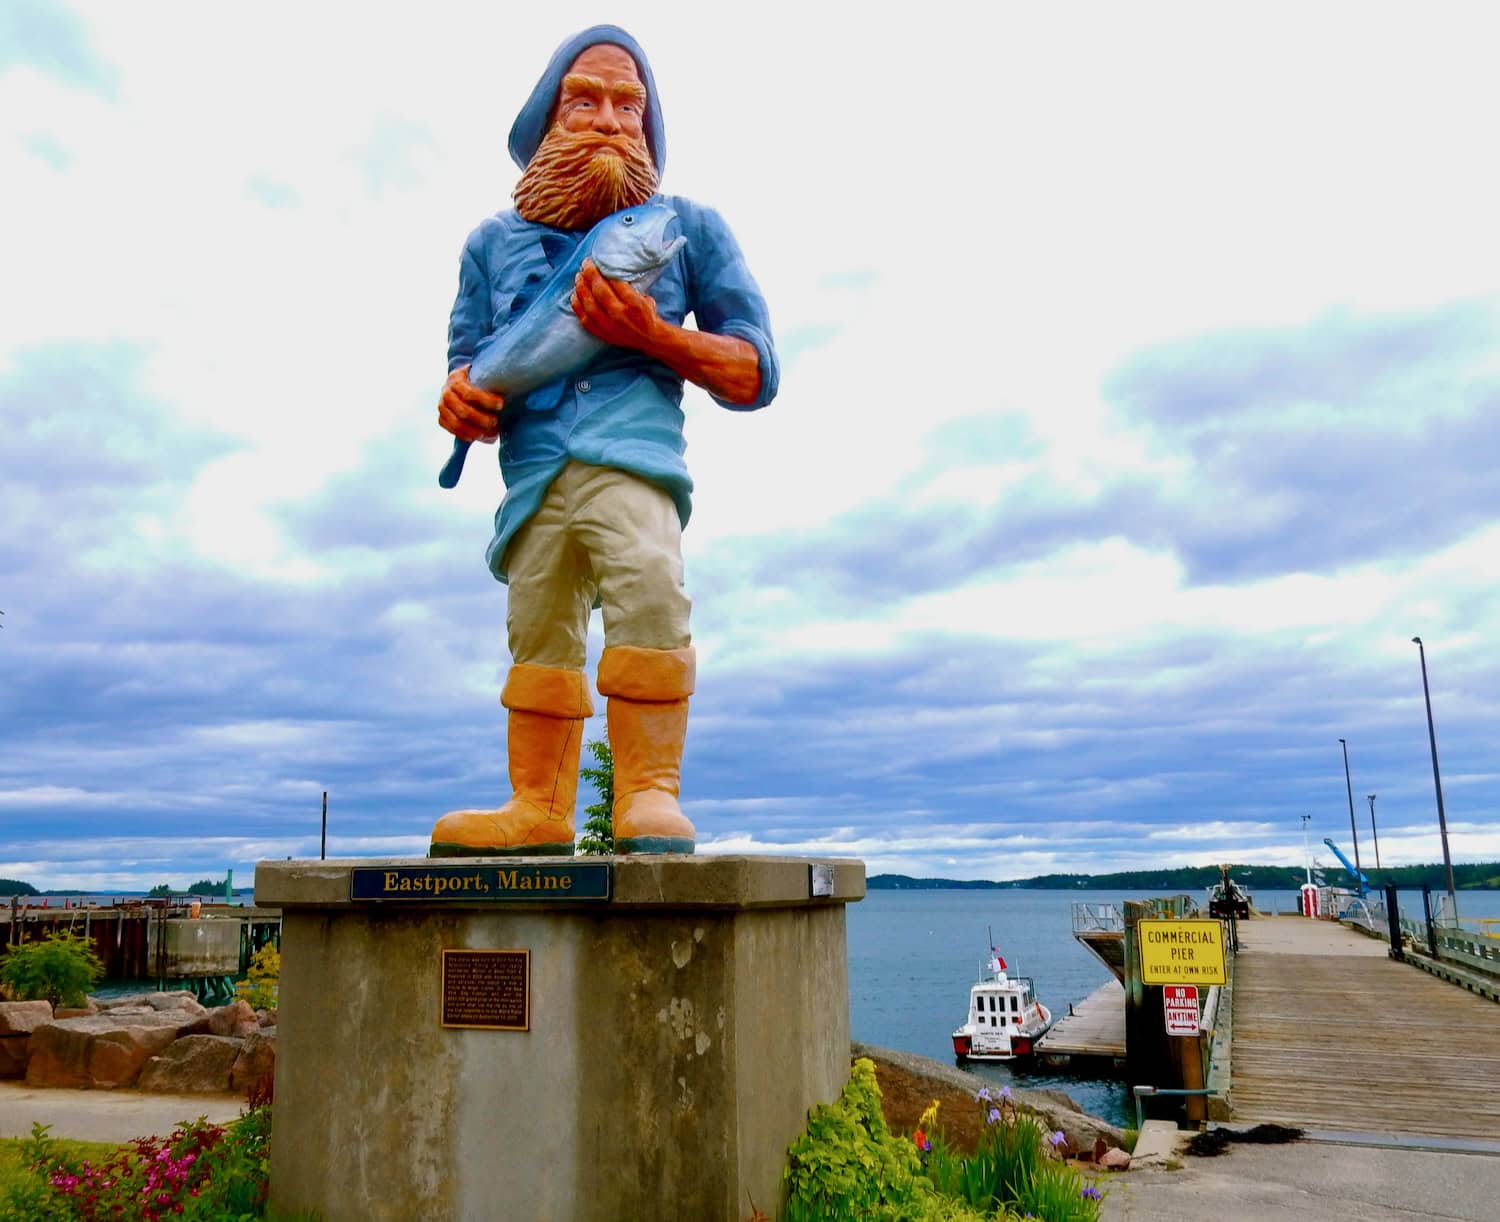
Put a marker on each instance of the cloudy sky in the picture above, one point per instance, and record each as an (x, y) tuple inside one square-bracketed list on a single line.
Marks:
[(1141, 401)]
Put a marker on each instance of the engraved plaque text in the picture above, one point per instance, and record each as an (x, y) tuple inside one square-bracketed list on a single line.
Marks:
[(490, 989)]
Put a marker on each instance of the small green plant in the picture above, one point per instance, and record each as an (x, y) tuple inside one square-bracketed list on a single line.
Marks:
[(1017, 1167), (598, 825), (1059, 1194), (848, 1164), (61, 968), (24, 1192), (262, 983)]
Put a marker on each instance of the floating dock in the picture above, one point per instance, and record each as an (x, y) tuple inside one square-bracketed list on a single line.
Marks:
[(1093, 1028)]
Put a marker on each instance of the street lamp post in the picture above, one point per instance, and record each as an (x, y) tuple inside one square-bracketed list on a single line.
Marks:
[(1353, 831), (1437, 780), (1373, 832)]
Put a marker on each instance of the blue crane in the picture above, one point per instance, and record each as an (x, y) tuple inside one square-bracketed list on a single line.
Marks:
[(1358, 875)]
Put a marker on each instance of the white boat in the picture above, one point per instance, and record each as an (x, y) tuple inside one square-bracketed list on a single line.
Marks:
[(1005, 1018)]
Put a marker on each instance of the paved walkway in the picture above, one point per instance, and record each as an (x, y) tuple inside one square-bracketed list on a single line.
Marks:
[(1331, 1183), (106, 1115)]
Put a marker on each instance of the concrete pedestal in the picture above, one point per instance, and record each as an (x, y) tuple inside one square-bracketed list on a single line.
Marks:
[(679, 1033)]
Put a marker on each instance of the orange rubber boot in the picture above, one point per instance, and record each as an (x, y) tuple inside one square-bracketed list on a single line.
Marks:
[(648, 711), (547, 707)]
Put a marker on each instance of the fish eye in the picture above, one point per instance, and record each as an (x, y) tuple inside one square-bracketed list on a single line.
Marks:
[(627, 219)]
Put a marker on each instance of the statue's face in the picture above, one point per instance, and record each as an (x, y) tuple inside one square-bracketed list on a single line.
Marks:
[(602, 92), (594, 159)]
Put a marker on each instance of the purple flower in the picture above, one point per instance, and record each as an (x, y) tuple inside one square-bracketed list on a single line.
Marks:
[(1059, 1138), (1005, 1092), (983, 1096), (1091, 1194), (994, 1116)]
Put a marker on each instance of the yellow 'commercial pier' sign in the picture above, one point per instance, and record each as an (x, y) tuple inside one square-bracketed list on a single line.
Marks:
[(1181, 952)]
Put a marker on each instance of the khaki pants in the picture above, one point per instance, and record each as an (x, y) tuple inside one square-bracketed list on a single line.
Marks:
[(605, 533)]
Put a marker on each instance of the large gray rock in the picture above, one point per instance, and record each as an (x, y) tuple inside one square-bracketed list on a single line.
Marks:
[(177, 999), (23, 1017), (257, 1060), (101, 1051), (193, 1065), (236, 1019)]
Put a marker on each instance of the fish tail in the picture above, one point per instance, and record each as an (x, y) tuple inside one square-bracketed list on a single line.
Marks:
[(454, 467)]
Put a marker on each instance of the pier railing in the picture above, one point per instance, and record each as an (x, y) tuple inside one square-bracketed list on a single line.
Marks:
[(1098, 918), (1471, 950), (1110, 918), (1440, 938)]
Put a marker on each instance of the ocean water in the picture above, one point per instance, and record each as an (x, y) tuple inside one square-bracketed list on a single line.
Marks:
[(914, 954)]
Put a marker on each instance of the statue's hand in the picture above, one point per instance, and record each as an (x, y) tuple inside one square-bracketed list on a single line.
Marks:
[(614, 311), (467, 412)]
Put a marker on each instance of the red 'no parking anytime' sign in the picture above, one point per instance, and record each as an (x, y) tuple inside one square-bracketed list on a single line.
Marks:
[(1181, 1004)]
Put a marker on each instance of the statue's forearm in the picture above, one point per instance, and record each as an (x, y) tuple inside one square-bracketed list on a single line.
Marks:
[(724, 365), (618, 313)]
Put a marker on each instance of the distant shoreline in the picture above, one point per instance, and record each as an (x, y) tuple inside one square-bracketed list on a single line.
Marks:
[(61, 892), (1481, 876)]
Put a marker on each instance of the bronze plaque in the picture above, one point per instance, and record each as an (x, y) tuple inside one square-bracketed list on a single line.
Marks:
[(490, 989)]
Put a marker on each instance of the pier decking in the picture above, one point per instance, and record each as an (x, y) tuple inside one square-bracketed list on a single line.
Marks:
[(1330, 1033), (1094, 1028)]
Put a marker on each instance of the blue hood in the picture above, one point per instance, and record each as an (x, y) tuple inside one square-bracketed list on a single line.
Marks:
[(531, 124)]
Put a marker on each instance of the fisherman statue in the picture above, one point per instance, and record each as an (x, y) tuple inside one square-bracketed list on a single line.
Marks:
[(566, 346)]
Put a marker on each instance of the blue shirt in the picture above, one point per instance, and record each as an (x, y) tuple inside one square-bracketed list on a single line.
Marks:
[(624, 409)]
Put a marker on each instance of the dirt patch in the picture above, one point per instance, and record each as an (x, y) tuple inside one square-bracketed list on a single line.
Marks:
[(904, 1096)]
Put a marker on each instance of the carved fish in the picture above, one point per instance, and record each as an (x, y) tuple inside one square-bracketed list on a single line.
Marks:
[(545, 342)]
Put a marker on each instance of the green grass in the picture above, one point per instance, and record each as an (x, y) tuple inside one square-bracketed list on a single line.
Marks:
[(13, 1170)]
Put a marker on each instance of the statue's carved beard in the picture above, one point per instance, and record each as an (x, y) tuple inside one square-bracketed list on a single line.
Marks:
[(576, 178)]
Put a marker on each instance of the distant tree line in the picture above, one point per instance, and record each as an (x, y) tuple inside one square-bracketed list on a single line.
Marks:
[(204, 886), (12, 886), (1473, 876)]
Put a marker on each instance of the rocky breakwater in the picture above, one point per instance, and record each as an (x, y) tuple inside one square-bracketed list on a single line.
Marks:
[(155, 1041), (18, 1019)]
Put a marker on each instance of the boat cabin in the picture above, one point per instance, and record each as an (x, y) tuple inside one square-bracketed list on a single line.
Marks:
[(1002, 1002)]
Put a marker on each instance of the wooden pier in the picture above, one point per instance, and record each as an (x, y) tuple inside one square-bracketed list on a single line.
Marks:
[(1094, 1027), (1331, 1033), (135, 940)]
